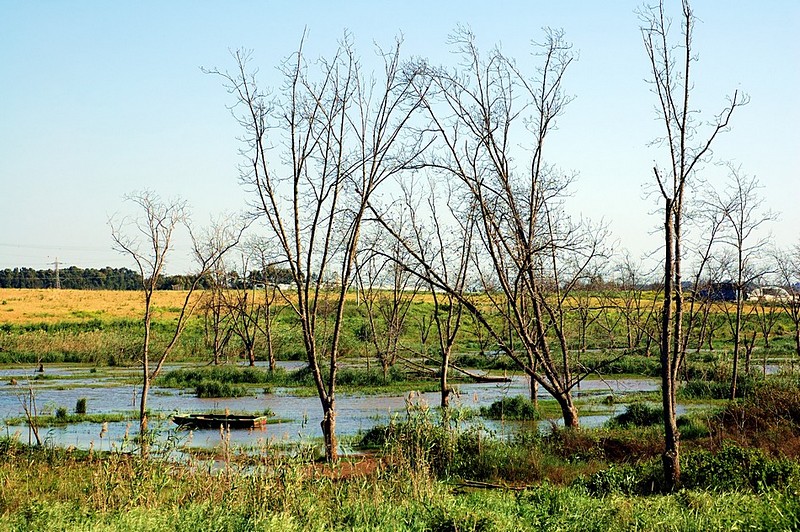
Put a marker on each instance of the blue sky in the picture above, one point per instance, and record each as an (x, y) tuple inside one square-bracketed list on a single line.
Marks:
[(99, 99)]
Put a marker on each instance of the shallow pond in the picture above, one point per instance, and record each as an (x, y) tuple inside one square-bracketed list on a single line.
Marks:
[(110, 391)]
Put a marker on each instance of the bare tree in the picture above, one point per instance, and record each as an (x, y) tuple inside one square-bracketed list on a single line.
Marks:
[(342, 135), (447, 250), (262, 252), (671, 68), (767, 315), (387, 292), (217, 326), (531, 255), (742, 209), (148, 239), (246, 310), (637, 306)]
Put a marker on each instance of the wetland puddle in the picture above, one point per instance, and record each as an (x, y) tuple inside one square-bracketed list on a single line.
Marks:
[(110, 391)]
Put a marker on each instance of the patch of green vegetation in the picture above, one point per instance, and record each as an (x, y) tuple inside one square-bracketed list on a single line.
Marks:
[(639, 414), (512, 408), (87, 314), (191, 377), (211, 389), (717, 389), (62, 417)]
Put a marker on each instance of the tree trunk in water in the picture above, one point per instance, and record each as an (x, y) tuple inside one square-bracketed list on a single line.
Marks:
[(329, 431), (144, 437), (534, 385), (270, 352), (568, 411), (251, 355), (443, 380)]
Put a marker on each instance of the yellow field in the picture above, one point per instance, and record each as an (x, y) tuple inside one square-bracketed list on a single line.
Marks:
[(21, 306)]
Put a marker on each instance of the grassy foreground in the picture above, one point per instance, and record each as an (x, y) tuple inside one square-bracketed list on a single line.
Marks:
[(49, 489)]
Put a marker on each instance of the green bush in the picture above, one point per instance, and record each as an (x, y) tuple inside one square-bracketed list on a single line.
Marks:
[(517, 408), (373, 377), (485, 361), (624, 479), (61, 413), (731, 469), (626, 365), (639, 415), (80, 406)]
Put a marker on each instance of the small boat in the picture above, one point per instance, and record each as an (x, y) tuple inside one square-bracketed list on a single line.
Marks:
[(214, 421)]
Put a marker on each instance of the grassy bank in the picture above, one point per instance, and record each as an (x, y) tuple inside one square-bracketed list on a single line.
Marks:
[(56, 490)]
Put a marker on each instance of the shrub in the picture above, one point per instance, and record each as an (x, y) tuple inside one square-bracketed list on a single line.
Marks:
[(625, 479), (639, 415), (80, 406), (485, 361), (61, 413), (517, 408)]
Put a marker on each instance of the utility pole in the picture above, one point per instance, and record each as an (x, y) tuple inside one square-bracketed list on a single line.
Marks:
[(58, 278)]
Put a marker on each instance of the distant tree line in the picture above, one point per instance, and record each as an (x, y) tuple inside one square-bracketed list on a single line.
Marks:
[(72, 278), (108, 278)]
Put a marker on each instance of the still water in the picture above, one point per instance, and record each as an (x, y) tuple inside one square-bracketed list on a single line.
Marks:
[(115, 391)]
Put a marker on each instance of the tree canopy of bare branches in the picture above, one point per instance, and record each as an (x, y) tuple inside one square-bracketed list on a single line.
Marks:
[(489, 122), (147, 238), (315, 155)]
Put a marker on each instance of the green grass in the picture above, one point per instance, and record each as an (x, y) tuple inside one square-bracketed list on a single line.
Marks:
[(62, 418), (48, 489)]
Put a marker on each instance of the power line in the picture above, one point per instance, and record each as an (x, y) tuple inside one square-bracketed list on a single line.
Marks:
[(58, 279)]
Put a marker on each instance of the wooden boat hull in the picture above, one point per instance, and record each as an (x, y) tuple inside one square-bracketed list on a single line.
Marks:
[(214, 421)]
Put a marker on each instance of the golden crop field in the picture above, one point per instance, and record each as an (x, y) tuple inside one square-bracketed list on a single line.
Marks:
[(21, 306)]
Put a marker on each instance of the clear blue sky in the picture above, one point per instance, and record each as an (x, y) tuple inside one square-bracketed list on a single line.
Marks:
[(102, 98)]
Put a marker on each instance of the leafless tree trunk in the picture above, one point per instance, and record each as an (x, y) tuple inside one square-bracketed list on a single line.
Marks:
[(342, 136), (147, 239), (671, 66), (767, 314)]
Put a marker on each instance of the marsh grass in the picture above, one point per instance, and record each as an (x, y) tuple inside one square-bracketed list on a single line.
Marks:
[(62, 417), (51, 489)]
